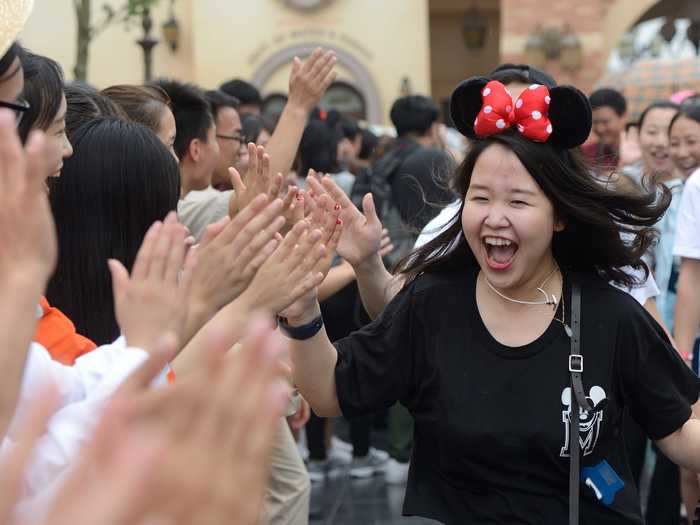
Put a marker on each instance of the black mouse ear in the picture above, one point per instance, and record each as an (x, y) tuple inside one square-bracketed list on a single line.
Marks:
[(465, 104), (571, 117)]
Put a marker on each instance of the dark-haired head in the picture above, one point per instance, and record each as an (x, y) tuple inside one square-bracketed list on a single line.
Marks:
[(585, 218), (684, 136), (246, 93), (318, 149), (119, 181), (609, 115), (86, 103), (228, 135), (350, 141), (43, 90), (414, 115), (369, 144), (256, 128), (528, 200), (148, 105), (193, 117), (654, 125)]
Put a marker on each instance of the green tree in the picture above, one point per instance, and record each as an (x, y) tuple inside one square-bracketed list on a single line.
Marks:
[(124, 13)]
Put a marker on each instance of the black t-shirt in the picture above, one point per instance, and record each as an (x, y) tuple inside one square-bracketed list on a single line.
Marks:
[(420, 189), (491, 422)]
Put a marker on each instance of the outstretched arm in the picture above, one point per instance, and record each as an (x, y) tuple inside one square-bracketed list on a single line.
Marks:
[(308, 82)]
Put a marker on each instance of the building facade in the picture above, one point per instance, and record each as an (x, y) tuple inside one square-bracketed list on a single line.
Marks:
[(385, 48)]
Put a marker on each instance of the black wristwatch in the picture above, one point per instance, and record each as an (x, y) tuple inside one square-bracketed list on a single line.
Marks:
[(303, 332)]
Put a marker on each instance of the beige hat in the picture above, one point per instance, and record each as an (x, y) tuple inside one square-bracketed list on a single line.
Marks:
[(13, 16)]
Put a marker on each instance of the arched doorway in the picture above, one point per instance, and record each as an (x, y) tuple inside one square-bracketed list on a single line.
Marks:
[(362, 82)]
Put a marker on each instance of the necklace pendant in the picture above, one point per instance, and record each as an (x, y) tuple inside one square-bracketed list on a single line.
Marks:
[(568, 331)]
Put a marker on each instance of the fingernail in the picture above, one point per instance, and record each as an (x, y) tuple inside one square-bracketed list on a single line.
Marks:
[(338, 221), (337, 207), (300, 197)]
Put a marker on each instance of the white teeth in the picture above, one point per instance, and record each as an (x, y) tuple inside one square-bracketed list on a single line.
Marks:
[(497, 241)]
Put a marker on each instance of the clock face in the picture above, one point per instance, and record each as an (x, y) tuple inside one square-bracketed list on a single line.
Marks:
[(306, 5)]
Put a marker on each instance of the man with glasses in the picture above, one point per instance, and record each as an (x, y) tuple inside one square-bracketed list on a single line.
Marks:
[(224, 108)]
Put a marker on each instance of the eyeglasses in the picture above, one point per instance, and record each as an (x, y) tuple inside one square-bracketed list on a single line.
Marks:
[(237, 138), (20, 108)]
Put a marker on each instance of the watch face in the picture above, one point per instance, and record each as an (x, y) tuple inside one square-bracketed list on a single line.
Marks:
[(306, 5)]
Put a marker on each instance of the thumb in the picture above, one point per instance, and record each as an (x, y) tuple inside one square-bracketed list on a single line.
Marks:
[(369, 209), (236, 180), (120, 280)]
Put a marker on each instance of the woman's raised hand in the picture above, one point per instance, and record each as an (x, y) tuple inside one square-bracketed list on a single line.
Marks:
[(229, 255), (361, 236), (290, 272)]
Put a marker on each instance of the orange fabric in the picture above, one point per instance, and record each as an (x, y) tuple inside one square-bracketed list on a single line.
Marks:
[(57, 334)]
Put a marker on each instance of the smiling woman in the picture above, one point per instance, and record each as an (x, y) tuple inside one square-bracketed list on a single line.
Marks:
[(476, 344), (43, 90)]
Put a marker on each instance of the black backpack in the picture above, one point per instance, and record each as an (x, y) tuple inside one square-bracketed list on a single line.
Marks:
[(378, 180)]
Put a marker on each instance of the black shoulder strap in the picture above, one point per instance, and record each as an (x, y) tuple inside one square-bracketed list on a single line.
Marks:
[(578, 399)]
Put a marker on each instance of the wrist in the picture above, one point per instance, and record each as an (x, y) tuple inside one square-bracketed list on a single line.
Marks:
[(297, 108), (305, 317), (24, 280), (368, 265)]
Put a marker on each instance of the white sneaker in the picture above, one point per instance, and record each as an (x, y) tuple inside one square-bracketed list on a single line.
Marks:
[(395, 473), (373, 463), (320, 470), (340, 450)]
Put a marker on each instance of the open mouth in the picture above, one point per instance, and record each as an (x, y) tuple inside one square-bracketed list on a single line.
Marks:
[(500, 252)]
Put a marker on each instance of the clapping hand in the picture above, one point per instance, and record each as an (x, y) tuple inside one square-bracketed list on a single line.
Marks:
[(362, 233), (154, 298)]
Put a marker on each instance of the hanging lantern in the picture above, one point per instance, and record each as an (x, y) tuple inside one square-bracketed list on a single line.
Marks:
[(535, 53), (571, 54), (474, 29), (627, 47)]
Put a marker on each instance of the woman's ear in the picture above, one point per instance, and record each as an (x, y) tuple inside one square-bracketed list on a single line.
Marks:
[(559, 223)]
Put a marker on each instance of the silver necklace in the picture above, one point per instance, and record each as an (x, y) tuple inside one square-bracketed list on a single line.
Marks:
[(550, 300)]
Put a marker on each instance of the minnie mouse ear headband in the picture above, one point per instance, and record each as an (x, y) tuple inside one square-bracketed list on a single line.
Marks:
[(13, 16), (560, 116)]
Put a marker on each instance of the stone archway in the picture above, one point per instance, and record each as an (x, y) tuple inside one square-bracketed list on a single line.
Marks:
[(621, 15), (360, 75)]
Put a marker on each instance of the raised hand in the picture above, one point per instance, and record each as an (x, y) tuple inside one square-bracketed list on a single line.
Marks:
[(28, 246), (257, 180), (361, 237), (230, 254), (310, 79), (289, 273), (154, 299)]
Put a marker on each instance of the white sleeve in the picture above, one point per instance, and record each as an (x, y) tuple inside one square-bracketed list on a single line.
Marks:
[(687, 241), (643, 291), (198, 213), (72, 425)]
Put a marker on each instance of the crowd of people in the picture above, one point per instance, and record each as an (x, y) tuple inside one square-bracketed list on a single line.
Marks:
[(193, 291)]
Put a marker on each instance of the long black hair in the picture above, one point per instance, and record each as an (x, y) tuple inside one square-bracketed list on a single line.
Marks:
[(120, 179), (43, 89), (596, 215)]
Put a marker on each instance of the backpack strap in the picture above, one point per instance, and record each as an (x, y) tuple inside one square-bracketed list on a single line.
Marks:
[(578, 400)]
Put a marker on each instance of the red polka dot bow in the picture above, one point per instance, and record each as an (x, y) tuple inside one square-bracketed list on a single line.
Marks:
[(530, 113)]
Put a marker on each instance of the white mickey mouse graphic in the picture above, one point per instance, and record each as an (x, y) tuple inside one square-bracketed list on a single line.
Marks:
[(589, 422)]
